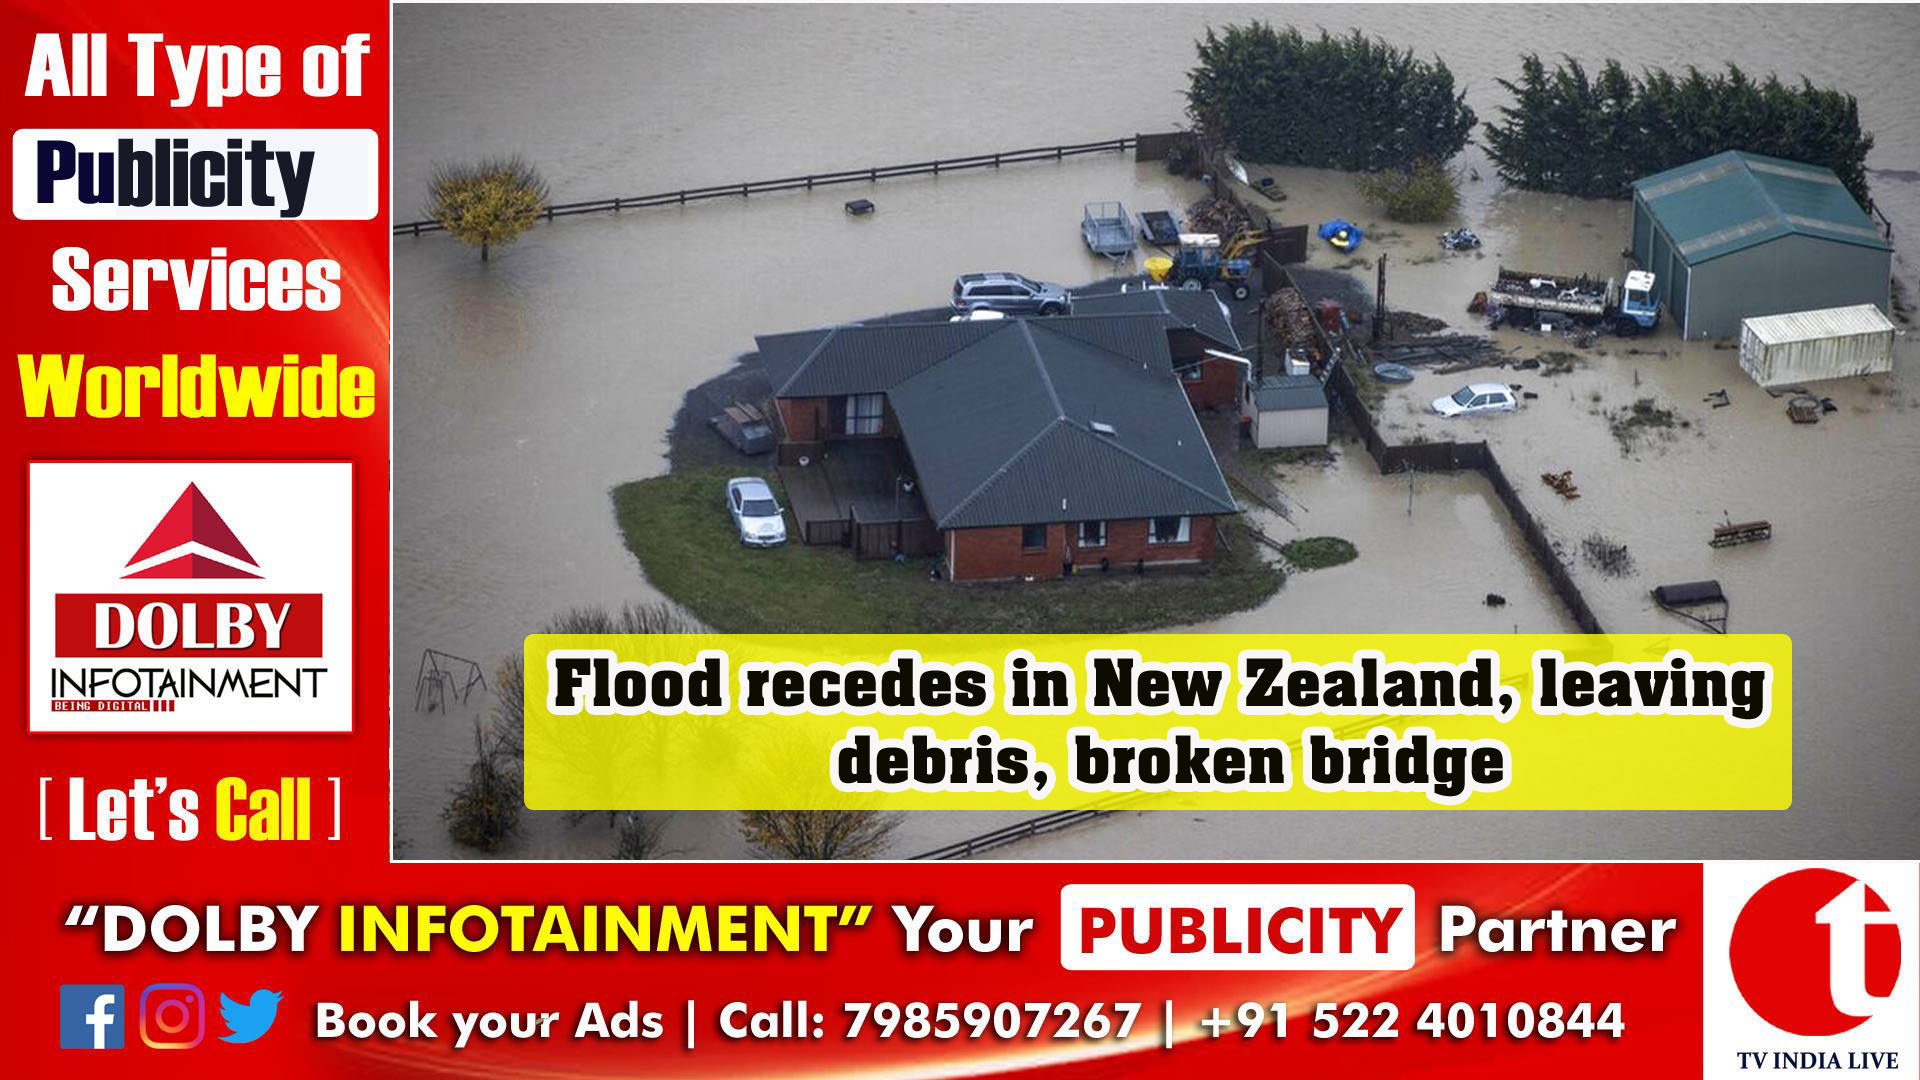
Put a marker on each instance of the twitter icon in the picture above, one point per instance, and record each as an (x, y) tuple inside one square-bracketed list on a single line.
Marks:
[(248, 1022)]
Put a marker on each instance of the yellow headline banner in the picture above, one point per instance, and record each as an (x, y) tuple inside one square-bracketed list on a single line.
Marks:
[(1228, 721)]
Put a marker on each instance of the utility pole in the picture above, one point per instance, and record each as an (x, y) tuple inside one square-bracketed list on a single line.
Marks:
[(1379, 297)]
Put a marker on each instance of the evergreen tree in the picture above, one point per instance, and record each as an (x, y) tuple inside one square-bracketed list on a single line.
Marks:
[(1565, 132), (1355, 102)]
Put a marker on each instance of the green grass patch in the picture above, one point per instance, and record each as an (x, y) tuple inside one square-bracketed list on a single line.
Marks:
[(1368, 386), (678, 527), (1645, 418), (1319, 552)]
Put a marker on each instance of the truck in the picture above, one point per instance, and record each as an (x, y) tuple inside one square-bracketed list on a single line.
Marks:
[(1520, 297)]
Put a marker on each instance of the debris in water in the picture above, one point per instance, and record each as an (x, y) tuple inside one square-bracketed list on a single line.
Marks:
[(1606, 556), (1561, 482), (1729, 533), (1494, 599), (1686, 595), (1718, 399)]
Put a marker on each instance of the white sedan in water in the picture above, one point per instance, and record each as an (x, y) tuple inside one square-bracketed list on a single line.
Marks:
[(756, 513), (1477, 398)]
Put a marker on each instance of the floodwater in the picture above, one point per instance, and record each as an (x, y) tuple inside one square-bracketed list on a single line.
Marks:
[(528, 386)]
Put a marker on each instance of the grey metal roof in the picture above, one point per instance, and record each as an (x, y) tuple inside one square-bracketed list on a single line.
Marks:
[(1732, 201), (1278, 393), (1198, 310), (1818, 325), (860, 359), (1004, 433)]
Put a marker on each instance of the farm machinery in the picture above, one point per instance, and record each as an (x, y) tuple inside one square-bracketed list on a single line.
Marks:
[(1203, 260)]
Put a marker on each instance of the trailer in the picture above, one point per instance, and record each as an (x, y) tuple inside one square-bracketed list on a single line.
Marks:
[(1107, 229), (1703, 603), (1522, 297), (1159, 227), (1731, 533)]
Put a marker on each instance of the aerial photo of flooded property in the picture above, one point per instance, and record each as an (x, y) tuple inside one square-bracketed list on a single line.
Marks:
[(1209, 318)]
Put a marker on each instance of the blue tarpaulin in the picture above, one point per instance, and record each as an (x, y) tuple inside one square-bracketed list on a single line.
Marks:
[(1341, 233)]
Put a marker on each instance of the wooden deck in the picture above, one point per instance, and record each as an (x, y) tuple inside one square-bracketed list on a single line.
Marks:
[(854, 495)]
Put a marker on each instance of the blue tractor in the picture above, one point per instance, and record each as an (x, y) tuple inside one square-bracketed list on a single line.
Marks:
[(1202, 261)]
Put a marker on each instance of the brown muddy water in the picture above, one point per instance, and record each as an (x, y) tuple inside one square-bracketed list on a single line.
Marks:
[(529, 386)]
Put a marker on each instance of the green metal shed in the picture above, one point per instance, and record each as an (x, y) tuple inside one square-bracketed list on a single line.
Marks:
[(1739, 234)]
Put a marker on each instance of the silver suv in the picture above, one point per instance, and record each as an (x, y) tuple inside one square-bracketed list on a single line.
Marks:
[(1004, 290)]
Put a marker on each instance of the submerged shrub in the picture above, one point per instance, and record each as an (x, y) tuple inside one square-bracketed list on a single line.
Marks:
[(488, 203), (1425, 192)]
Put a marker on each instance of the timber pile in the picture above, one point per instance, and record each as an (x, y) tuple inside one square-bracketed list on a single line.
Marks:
[(1222, 216), (1291, 323), (1562, 483)]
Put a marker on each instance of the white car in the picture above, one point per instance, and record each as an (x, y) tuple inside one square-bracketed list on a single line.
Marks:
[(1477, 398), (756, 513)]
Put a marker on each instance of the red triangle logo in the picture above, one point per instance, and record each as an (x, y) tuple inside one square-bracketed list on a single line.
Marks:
[(192, 520)]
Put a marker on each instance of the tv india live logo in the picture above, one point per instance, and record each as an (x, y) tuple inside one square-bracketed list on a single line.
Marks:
[(1812, 969), (1816, 952), (190, 596)]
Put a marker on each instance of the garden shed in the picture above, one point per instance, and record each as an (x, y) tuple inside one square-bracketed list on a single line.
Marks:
[(1288, 410), (1738, 234)]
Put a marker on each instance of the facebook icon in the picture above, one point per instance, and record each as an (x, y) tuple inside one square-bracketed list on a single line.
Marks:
[(93, 1017)]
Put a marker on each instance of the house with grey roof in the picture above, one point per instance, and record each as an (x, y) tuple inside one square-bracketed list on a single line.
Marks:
[(1740, 234), (1200, 335), (1033, 447)]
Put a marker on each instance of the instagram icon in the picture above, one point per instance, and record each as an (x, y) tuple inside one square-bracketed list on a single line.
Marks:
[(173, 1016)]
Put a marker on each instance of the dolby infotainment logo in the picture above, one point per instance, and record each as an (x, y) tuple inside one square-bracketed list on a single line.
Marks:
[(172, 596)]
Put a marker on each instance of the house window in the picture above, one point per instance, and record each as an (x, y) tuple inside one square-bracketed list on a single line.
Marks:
[(1093, 534), (1191, 374), (1033, 536), (865, 413), (1168, 530)]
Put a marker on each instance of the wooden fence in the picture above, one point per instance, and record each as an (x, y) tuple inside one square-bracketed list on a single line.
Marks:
[(810, 181), (1450, 457)]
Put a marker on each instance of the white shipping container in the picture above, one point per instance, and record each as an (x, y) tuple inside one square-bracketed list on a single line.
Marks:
[(1807, 346)]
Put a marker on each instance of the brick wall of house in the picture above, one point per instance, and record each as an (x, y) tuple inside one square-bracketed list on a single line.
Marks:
[(1217, 387), (804, 419), (996, 553)]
